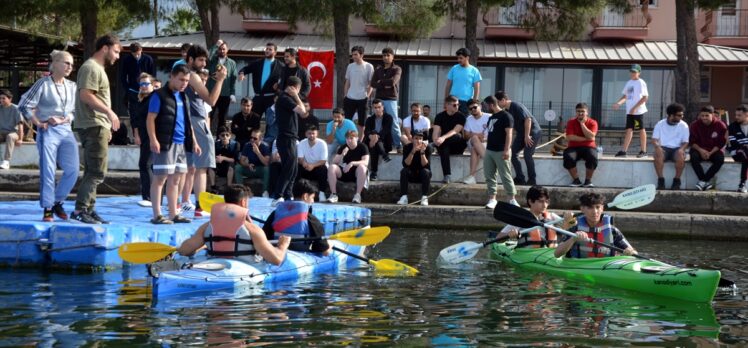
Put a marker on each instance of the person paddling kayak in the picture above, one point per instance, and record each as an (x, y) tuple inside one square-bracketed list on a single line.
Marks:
[(593, 225), (230, 233), (538, 200)]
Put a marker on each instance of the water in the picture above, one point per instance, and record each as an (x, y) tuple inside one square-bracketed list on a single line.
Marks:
[(481, 303)]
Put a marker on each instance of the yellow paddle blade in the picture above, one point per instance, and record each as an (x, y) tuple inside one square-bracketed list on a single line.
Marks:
[(207, 200), (393, 267), (362, 236), (144, 252)]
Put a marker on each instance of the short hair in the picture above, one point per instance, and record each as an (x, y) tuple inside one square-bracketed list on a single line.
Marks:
[(351, 133), (106, 40), (136, 47), (376, 101), (674, 108), (491, 100), (535, 193), (742, 107), (416, 104), (144, 75), (180, 69), (58, 55), (293, 81), (196, 51), (224, 129), (312, 127), (304, 186), (582, 105), (359, 49), (224, 43), (589, 199), (292, 51), (235, 193), (185, 47), (246, 100), (707, 108), (426, 106), (451, 98), (338, 111), (256, 131), (388, 50), (463, 52), (473, 101), (6, 93), (275, 47), (155, 80), (501, 95)]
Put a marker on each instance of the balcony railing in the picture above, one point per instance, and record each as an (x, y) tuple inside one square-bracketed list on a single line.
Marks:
[(614, 25), (506, 22), (727, 22), (261, 23)]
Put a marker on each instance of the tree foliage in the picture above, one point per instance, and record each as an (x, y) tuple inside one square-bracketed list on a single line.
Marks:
[(183, 20)]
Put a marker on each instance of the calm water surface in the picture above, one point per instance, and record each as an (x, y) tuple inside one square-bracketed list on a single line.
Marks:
[(478, 303)]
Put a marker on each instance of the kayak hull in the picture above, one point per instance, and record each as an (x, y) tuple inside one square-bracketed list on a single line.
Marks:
[(625, 272), (235, 276)]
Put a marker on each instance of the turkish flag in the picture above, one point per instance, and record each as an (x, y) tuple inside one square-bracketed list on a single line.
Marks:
[(321, 67)]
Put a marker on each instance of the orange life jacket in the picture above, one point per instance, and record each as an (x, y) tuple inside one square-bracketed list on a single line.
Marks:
[(226, 235), (539, 237)]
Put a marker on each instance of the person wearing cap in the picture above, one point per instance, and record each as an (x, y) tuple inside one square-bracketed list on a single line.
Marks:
[(635, 95), (416, 168), (463, 80)]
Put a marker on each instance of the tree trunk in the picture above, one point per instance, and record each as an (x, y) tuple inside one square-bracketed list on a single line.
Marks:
[(155, 17), (203, 9), (687, 74), (342, 49), (215, 23), (471, 30), (89, 12)]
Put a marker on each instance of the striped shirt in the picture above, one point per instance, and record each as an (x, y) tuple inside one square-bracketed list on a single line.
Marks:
[(49, 99)]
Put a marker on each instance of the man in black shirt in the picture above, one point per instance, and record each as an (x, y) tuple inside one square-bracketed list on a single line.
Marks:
[(416, 168), (244, 122), (288, 109), (447, 134), (527, 137), (292, 68), (498, 153), (378, 136), (265, 89)]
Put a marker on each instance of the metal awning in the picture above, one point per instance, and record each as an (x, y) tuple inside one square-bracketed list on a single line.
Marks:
[(562, 52)]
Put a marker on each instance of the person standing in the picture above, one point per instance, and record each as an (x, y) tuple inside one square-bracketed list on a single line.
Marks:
[(131, 66), (292, 68), (219, 57), (707, 139), (140, 133), (11, 126), (265, 79), (527, 138), (635, 95), (94, 121), (463, 80), (357, 87), (447, 134), (386, 82), (50, 107), (496, 162), (288, 109)]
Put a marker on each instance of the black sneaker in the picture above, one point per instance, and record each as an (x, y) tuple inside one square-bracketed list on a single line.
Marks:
[(97, 217), (84, 217), (59, 211), (588, 183), (48, 217), (676, 184), (641, 154), (660, 183), (373, 176), (519, 181), (621, 154), (576, 183), (387, 159), (531, 182)]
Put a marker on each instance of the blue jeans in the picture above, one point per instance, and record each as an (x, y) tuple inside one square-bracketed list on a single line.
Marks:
[(390, 107)]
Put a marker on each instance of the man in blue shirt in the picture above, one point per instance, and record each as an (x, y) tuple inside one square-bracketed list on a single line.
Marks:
[(132, 66), (463, 80), (254, 161), (337, 129)]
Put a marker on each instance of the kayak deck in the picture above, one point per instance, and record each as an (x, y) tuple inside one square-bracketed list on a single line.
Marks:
[(625, 272)]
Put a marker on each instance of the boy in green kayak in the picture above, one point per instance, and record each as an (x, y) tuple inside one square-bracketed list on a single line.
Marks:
[(538, 199), (602, 230)]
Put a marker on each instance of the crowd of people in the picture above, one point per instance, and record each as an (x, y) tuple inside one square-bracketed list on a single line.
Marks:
[(187, 142)]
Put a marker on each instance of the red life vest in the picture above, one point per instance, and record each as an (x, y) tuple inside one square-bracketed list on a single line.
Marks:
[(603, 233), (226, 235), (539, 237)]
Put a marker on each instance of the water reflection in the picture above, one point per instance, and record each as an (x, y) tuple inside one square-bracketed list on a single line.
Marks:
[(481, 302)]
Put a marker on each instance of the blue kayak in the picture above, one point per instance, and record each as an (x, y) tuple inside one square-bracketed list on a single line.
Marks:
[(235, 276)]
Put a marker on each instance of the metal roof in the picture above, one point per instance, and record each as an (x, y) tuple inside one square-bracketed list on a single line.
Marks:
[(430, 49)]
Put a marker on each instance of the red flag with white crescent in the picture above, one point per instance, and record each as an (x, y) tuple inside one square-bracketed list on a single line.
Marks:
[(321, 67)]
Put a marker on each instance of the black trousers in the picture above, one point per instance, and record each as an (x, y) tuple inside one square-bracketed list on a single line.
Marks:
[(318, 174), (352, 106), (423, 176), (717, 159), (275, 171), (260, 103), (218, 115), (145, 164), (289, 167), (374, 153), (454, 145)]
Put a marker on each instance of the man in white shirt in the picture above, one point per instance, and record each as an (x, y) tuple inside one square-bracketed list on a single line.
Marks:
[(414, 122), (476, 132), (635, 95), (357, 87), (670, 139), (313, 160)]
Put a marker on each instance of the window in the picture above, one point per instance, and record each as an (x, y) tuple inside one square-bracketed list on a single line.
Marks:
[(705, 88), (659, 84), (426, 84), (650, 3)]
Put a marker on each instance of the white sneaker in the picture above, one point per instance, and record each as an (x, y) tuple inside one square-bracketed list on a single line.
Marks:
[(322, 197), (145, 203), (187, 206), (701, 186), (425, 201), (512, 202), (357, 198), (470, 180), (333, 198), (275, 202), (491, 203), (5, 165), (403, 200), (447, 179), (265, 194)]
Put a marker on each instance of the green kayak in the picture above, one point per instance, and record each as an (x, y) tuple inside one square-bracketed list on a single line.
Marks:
[(625, 272)]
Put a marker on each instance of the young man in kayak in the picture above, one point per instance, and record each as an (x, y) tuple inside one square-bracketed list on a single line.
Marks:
[(538, 200), (580, 246), (230, 233), (294, 219)]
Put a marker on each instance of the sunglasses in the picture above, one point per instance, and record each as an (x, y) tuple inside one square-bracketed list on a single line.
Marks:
[(473, 108), (145, 84)]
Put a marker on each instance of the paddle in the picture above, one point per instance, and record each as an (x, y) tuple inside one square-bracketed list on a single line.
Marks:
[(517, 216), (629, 199), (383, 265), (148, 252)]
